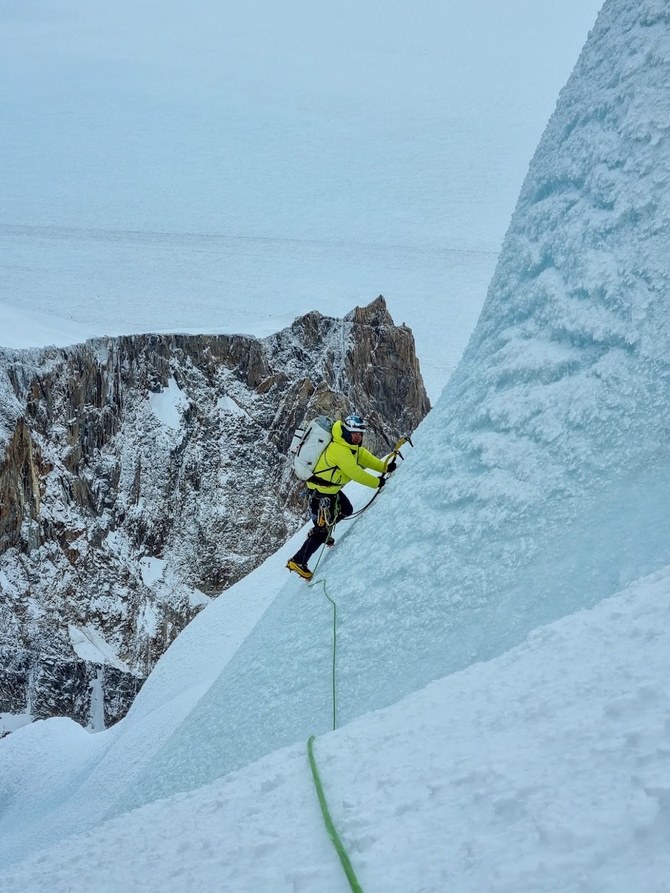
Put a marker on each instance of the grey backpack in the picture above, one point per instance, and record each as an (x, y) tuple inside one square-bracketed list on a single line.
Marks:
[(308, 444)]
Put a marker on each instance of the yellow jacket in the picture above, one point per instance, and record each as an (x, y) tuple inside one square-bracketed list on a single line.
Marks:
[(342, 462)]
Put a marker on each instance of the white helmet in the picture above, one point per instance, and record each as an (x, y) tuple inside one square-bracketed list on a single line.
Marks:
[(354, 424)]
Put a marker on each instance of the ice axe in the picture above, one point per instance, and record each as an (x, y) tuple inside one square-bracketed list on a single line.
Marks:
[(403, 440), (395, 452)]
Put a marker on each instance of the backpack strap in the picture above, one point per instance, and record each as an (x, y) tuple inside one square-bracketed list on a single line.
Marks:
[(319, 481), (315, 479)]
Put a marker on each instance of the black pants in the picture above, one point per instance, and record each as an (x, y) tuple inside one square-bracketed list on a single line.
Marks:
[(327, 509)]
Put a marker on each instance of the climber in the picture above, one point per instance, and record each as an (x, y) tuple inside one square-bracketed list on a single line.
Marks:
[(343, 460)]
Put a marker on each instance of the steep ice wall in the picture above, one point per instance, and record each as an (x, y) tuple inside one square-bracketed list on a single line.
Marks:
[(545, 462)]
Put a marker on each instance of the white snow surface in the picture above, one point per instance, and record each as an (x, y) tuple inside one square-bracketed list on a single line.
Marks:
[(169, 404), (89, 645), (544, 769), (152, 569), (11, 721), (227, 404)]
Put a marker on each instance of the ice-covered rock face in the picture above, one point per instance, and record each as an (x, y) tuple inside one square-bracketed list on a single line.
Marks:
[(545, 462)]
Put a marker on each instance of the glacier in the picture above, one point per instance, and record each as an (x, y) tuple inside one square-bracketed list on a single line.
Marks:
[(544, 463)]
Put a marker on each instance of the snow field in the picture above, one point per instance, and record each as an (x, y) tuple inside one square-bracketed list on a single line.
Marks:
[(93, 284), (544, 769)]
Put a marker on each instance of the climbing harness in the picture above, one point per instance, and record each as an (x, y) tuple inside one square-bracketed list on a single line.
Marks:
[(323, 516)]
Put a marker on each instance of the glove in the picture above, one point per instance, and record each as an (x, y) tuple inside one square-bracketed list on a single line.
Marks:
[(391, 467), (381, 482)]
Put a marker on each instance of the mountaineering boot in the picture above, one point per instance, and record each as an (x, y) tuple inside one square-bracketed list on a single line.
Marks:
[(300, 569), (330, 542)]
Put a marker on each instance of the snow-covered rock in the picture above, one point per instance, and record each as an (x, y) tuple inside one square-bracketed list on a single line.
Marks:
[(144, 474)]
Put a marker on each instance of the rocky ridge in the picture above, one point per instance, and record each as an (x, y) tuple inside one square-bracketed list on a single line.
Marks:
[(143, 475)]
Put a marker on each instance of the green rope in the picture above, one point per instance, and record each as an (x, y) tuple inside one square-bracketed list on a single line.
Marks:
[(325, 592), (330, 827), (314, 582)]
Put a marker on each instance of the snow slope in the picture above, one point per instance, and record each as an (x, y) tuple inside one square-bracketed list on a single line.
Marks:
[(57, 778), (544, 769)]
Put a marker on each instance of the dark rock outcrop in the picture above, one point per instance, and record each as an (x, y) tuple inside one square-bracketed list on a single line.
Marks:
[(143, 475)]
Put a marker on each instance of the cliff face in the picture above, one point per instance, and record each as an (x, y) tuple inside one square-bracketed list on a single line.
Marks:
[(143, 475)]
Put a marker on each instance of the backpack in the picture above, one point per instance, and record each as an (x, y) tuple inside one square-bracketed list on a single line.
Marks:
[(308, 444)]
